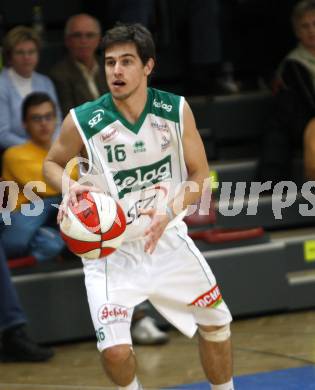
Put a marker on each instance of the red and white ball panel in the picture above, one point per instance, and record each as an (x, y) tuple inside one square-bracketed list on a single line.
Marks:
[(95, 228)]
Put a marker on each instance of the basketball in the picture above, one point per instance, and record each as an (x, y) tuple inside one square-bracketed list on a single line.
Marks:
[(95, 227)]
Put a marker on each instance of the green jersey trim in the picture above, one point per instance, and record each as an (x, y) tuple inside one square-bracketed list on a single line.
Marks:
[(166, 105), (160, 103), (134, 127), (94, 116), (178, 135)]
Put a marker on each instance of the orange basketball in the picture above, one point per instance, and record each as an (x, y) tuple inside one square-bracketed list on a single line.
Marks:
[(95, 228)]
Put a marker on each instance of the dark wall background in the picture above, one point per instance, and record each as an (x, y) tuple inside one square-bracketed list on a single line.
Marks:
[(253, 34)]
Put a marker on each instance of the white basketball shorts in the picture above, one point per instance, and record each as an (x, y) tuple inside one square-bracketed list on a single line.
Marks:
[(175, 278)]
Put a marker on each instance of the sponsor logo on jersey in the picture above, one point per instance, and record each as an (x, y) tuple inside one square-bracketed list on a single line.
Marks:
[(109, 134), (165, 142), (139, 146), (161, 104), (143, 177), (149, 198), (210, 298), (96, 118), (165, 133), (113, 313), (160, 126)]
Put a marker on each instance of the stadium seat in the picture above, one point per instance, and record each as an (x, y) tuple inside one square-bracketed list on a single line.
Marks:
[(231, 125), (215, 236), (20, 262)]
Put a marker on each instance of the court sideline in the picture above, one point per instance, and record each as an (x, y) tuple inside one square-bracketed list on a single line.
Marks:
[(263, 344)]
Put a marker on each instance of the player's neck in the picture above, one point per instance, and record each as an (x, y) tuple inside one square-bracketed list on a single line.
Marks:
[(132, 107)]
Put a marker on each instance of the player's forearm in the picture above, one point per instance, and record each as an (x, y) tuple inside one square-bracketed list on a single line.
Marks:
[(309, 150), (309, 161), (190, 192), (57, 176)]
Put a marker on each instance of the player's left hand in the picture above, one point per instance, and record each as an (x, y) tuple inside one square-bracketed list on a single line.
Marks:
[(155, 229)]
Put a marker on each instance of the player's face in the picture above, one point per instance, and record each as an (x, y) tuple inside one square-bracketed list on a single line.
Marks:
[(83, 38), (40, 123), (24, 58), (125, 72), (305, 30)]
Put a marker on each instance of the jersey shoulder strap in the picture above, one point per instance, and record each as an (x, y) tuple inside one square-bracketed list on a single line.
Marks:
[(165, 104), (94, 116)]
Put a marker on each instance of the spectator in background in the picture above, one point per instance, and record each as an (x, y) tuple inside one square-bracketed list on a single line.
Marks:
[(16, 344), (294, 90), (33, 235), (79, 77), (21, 48)]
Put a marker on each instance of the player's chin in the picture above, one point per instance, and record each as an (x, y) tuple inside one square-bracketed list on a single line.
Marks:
[(120, 95)]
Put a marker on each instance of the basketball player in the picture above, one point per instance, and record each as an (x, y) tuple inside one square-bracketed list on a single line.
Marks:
[(143, 143)]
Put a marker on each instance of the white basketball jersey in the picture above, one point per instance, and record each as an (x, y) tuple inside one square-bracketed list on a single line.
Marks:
[(138, 164)]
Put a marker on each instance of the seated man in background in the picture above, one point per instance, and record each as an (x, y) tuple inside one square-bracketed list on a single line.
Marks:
[(16, 344), (294, 102), (33, 235), (79, 77)]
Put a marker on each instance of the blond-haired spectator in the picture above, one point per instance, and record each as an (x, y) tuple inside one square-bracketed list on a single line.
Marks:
[(21, 47)]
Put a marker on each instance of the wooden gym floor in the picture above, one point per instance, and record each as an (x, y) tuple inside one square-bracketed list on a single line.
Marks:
[(260, 344)]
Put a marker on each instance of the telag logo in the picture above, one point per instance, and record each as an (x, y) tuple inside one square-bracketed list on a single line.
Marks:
[(161, 104), (138, 178), (96, 118)]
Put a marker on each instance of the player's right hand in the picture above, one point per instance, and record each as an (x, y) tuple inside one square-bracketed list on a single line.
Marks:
[(71, 198), (155, 230)]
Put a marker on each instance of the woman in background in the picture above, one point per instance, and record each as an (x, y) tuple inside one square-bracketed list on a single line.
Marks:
[(21, 47)]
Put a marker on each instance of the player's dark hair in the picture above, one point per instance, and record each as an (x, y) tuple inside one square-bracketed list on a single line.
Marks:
[(35, 99), (131, 33)]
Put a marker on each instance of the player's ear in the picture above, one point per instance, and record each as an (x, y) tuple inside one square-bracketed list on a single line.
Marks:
[(148, 67)]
